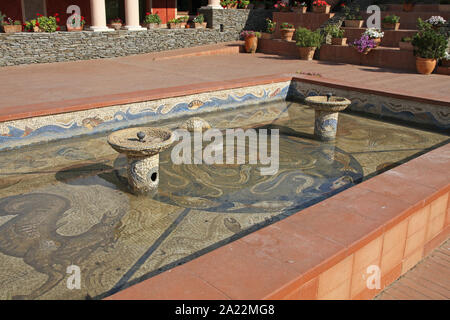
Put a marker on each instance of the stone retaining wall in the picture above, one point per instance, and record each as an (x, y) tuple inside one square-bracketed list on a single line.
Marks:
[(27, 48)]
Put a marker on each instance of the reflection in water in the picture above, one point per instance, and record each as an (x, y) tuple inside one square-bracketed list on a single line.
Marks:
[(68, 203)]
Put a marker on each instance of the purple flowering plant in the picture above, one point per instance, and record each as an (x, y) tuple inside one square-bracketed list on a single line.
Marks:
[(364, 44)]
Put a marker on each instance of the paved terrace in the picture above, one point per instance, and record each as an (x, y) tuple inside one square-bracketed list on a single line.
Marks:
[(32, 90)]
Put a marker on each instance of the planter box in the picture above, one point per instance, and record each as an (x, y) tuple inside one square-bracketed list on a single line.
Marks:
[(152, 25), (339, 41), (354, 23), (390, 26), (299, 10), (174, 25), (321, 9), (200, 25), (12, 28), (116, 26), (406, 46), (70, 29)]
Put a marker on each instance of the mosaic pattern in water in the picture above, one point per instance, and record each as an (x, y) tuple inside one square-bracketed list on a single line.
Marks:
[(67, 203)]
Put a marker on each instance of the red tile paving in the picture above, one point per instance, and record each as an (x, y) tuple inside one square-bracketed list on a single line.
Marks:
[(31, 90), (430, 279)]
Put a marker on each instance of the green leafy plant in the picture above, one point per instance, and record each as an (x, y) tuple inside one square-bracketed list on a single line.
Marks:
[(10, 22), (307, 38), (270, 26), (249, 33), (243, 3), (429, 44), (391, 19), (334, 31), (352, 13), (286, 25), (152, 18), (183, 19), (116, 20), (2, 17), (174, 20), (199, 19), (45, 24)]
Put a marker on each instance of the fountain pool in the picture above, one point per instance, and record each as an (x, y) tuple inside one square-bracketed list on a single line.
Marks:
[(67, 202)]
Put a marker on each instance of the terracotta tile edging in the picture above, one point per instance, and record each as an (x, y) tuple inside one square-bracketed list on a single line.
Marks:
[(59, 107), (305, 284)]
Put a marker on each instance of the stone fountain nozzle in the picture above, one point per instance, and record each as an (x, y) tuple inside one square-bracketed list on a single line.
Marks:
[(141, 136)]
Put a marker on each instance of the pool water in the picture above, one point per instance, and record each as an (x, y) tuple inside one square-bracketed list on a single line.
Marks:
[(67, 203)]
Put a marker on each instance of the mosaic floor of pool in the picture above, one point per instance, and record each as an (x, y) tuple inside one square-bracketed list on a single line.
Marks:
[(67, 203)]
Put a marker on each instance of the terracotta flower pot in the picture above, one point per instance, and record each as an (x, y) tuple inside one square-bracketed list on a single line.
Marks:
[(425, 66), (266, 35), (287, 34), (321, 9), (152, 25), (72, 29), (116, 26), (390, 26), (354, 23), (445, 63), (200, 25), (299, 9), (36, 29), (251, 43), (377, 41), (408, 7), (12, 28), (339, 41), (405, 46), (174, 25), (306, 53)]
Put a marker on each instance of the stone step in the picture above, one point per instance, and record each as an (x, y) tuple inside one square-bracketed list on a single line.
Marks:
[(308, 20), (391, 37), (408, 20), (383, 57), (279, 47), (421, 7)]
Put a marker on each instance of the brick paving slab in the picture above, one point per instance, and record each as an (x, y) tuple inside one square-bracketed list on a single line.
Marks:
[(50, 86), (429, 280)]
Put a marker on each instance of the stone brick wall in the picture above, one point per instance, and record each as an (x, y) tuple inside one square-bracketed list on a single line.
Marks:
[(27, 48)]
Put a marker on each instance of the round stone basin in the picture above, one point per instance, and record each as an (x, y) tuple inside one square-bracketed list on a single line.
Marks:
[(326, 114), (334, 104), (155, 141), (142, 147)]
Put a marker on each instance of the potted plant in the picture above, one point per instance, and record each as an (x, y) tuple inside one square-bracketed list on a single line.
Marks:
[(116, 23), (320, 6), (152, 20), (229, 4), (183, 21), (199, 22), (43, 24), (375, 35), (408, 5), (251, 40), (353, 18), (307, 42), (282, 6), (76, 24), (174, 24), (286, 31), (391, 22), (11, 26), (364, 44), (270, 29), (405, 44), (428, 47), (299, 7), (445, 62), (436, 22), (337, 34), (243, 4)]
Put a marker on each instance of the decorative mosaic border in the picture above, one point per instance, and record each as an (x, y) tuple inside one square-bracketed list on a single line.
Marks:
[(383, 106), (54, 127)]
